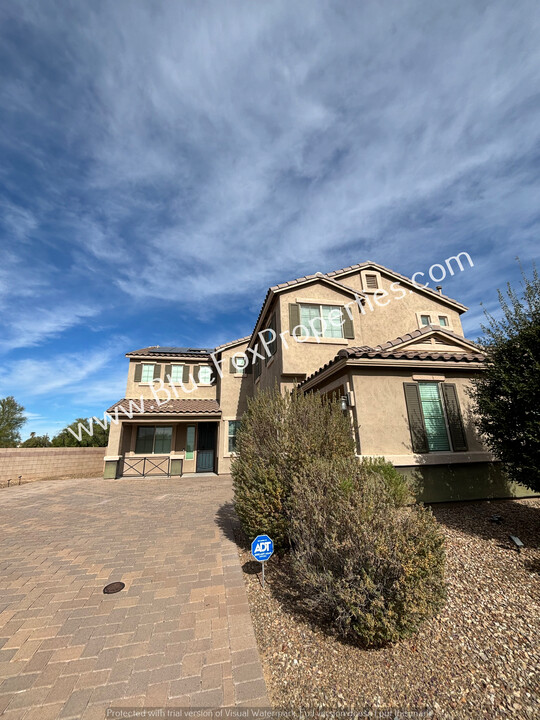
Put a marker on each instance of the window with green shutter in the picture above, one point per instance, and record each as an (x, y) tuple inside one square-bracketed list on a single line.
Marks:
[(147, 375), (177, 372), (327, 321), (434, 418)]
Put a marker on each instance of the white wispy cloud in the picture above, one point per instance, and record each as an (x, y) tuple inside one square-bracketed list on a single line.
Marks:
[(76, 374), (227, 146)]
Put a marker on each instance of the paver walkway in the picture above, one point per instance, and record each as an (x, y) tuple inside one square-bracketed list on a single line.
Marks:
[(179, 634)]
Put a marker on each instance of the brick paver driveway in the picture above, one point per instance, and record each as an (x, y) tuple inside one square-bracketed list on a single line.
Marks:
[(180, 632)]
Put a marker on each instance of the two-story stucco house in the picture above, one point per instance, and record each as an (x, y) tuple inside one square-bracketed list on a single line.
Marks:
[(393, 351)]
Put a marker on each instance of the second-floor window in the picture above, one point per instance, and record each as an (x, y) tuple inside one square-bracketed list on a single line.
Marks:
[(441, 319), (322, 320), (205, 375), (147, 373), (240, 365), (177, 372)]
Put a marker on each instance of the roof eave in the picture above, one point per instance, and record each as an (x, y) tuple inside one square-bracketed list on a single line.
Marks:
[(340, 363)]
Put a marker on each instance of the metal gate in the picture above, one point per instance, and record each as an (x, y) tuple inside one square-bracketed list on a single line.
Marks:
[(146, 466)]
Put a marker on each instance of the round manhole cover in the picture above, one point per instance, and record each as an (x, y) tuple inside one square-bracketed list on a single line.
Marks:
[(113, 588)]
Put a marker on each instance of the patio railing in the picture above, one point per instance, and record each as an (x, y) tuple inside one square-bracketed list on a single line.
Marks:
[(146, 466)]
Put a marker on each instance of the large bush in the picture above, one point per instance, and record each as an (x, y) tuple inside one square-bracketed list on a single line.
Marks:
[(507, 394), (261, 483), (366, 563), (278, 436)]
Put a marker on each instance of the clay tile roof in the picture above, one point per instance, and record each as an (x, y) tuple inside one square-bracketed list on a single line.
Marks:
[(158, 351), (378, 353), (410, 354), (233, 342), (183, 406)]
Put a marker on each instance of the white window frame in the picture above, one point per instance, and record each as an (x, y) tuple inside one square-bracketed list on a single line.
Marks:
[(143, 378), (434, 320), (229, 436), (240, 370), (320, 306), (442, 315), (210, 376), (181, 373)]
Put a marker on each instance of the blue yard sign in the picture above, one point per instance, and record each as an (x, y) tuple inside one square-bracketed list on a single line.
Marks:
[(262, 549)]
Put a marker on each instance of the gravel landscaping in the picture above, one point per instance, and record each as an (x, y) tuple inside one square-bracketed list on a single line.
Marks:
[(479, 658)]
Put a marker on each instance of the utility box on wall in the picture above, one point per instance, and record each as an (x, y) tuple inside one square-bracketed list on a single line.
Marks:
[(176, 467), (110, 471)]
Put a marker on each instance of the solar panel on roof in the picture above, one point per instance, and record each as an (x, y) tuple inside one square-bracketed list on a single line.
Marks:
[(180, 350)]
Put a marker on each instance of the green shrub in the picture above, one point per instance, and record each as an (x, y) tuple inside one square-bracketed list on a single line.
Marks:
[(371, 568), (260, 480), (278, 436), (402, 490)]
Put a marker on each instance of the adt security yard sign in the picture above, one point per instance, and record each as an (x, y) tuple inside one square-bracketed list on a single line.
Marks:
[(262, 549)]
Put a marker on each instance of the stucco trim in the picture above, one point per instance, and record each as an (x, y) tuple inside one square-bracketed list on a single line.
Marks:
[(440, 458)]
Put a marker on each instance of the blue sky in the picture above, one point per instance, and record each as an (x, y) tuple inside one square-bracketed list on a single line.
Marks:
[(163, 163)]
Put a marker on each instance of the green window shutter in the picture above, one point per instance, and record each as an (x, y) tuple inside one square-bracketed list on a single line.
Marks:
[(138, 372), (196, 373), (168, 372), (157, 371), (185, 374), (294, 316), (249, 366), (348, 325), (453, 416), (416, 418), (273, 326), (232, 366), (434, 419)]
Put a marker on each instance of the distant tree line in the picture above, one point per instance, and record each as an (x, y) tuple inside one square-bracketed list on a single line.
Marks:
[(12, 419)]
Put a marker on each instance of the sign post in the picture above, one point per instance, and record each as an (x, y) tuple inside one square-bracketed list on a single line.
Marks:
[(262, 549)]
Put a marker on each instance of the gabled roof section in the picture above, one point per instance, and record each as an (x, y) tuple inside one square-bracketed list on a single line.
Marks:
[(425, 333), (402, 278), (232, 343), (306, 280), (159, 352)]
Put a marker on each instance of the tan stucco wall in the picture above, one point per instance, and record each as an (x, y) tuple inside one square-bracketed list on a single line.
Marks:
[(303, 358), (399, 314), (381, 412), (233, 389), (136, 390), (374, 325)]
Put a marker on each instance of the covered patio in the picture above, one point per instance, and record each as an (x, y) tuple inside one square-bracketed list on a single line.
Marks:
[(173, 439)]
